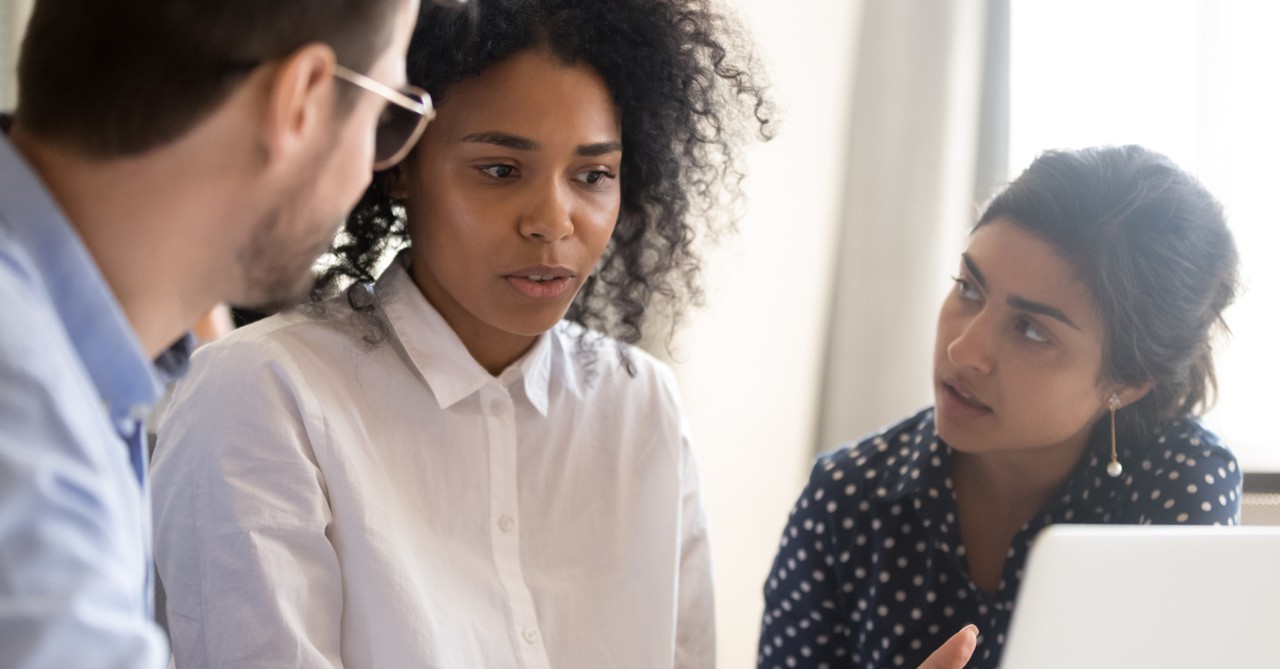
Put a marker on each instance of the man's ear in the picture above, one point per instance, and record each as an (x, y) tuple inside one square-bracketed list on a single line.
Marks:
[(299, 100)]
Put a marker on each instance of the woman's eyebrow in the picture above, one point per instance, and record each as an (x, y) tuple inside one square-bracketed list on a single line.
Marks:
[(505, 140), (518, 143), (599, 149), (1016, 302), (1040, 308), (972, 266)]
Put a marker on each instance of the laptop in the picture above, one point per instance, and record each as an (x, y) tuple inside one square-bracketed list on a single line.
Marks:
[(1125, 596)]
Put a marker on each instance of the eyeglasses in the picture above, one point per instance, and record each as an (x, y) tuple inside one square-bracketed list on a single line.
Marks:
[(402, 120)]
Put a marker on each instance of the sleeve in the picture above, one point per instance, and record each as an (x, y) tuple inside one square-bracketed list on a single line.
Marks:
[(695, 643), (801, 625), (72, 562), (241, 512), (1199, 485), (695, 616)]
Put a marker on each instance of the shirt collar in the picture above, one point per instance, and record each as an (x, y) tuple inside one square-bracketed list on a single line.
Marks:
[(918, 458), (535, 369), (441, 358), (128, 383), (1088, 495)]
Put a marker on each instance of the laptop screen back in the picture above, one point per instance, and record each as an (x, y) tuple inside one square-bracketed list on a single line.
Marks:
[(1123, 596)]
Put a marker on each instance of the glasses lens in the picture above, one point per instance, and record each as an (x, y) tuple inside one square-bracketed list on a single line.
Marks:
[(397, 128)]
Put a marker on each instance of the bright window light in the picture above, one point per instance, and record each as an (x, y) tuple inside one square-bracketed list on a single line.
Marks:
[(1198, 81)]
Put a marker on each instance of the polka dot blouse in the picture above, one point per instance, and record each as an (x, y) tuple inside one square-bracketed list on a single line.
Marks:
[(871, 571)]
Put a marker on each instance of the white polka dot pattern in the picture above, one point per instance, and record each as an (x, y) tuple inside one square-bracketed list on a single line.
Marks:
[(871, 571)]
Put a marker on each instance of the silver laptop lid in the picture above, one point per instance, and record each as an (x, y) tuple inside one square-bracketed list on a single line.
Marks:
[(1124, 596)]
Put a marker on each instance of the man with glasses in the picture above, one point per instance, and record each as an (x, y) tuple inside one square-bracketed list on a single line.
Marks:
[(147, 174)]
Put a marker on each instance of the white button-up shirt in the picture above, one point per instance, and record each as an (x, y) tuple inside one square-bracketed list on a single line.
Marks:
[(324, 502)]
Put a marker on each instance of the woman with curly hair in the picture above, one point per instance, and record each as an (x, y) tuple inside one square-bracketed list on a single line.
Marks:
[(458, 460)]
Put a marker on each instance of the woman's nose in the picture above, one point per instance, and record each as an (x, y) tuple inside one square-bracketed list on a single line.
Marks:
[(549, 217), (971, 345)]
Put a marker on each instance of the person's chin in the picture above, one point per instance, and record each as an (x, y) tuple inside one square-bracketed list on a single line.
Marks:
[(532, 316), (287, 289), (535, 325), (964, 434)]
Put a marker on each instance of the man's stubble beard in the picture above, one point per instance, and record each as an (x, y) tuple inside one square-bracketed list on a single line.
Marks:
[(276, 262)]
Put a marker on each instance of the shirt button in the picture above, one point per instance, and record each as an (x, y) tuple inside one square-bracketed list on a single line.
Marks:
[(530, 635), (497, 408), (505, 523)]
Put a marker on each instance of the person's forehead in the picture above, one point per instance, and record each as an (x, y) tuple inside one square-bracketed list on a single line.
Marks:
[(536, 96)]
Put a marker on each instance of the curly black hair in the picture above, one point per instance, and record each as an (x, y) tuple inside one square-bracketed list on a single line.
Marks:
[(683, 80)]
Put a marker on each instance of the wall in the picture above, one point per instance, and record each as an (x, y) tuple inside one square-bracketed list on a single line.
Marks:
[(749, 363), (13, 17)]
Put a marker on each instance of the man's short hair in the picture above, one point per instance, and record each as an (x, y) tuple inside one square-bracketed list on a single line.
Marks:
[(113, 78)]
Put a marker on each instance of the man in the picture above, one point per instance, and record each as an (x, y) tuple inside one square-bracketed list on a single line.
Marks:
[(166, 155)]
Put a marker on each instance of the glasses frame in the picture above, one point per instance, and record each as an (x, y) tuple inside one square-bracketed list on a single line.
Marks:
[(402, 98)]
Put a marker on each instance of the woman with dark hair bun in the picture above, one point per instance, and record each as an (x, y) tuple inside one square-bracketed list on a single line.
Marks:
[(456, 459), (1071, 361)]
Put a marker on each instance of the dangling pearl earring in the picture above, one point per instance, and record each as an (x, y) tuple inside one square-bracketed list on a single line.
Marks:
[(1114, 469)]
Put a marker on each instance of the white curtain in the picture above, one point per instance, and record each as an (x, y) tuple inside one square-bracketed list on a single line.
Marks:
[(928, 129), (859, 204), (749, 363), (13, 20), (927, 143)]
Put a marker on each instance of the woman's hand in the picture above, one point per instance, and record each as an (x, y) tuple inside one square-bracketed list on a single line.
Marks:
[(955, 652)]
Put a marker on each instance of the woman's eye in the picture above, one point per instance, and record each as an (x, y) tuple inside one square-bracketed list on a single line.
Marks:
[(966, 290), (1031, 331), (595, 177), (499, 170)]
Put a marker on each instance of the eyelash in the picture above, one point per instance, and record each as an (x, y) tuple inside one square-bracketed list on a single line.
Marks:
[(1026, 326), (605, 175), (510, 171), (964, 287), (487, 170)]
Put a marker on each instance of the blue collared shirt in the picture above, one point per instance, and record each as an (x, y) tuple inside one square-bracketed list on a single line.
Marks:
[(75, 387)]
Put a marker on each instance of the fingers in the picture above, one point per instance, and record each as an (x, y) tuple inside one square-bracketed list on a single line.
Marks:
[(955, 652)]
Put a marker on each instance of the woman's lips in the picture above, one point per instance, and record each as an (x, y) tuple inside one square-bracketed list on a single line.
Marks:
[(959, 403), (540, 282)]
